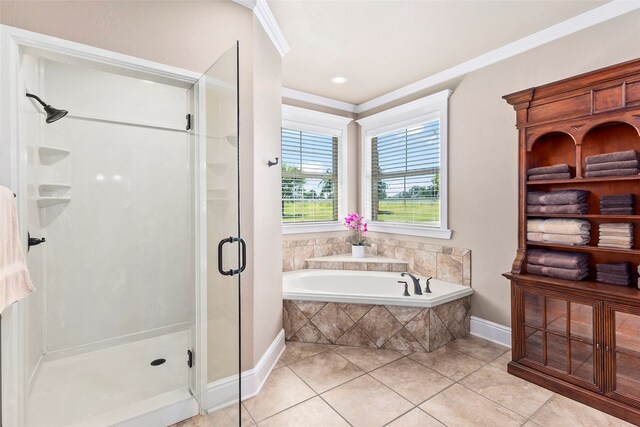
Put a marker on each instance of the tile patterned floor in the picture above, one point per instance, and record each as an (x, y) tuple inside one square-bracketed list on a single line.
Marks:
[(462, 384)]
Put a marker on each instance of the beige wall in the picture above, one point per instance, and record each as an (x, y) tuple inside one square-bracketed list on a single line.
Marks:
[(192, 35), (267, 235), (483, 149)]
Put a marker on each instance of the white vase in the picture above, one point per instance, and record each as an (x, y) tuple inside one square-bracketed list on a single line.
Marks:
[(357, 251)]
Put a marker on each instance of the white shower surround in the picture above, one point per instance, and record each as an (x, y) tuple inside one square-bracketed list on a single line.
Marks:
[(17, 364)]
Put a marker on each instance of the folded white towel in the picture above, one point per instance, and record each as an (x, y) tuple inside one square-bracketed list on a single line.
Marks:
[(558, 226), (15, 282), (564, 239)]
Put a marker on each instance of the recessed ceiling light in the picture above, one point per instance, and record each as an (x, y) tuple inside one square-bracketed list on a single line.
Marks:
[(339, 80)]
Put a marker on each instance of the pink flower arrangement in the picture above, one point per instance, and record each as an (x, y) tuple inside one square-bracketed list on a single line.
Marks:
[(357, 223)]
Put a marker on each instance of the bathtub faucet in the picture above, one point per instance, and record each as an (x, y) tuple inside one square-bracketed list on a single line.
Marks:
[(416, 283)]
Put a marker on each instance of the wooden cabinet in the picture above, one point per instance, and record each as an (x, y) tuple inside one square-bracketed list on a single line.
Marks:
[(579, 338)]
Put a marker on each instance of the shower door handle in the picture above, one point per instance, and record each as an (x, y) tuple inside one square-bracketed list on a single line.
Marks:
[(243, 262)]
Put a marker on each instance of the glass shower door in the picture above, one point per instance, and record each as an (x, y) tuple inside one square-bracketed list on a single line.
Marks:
[(214, 122)]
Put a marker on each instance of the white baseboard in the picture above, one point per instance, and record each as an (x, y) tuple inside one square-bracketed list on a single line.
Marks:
[(491, 331), (223, 392), (165, 409)]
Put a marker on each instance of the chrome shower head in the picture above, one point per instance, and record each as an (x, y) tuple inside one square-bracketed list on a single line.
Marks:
[(53, 114)]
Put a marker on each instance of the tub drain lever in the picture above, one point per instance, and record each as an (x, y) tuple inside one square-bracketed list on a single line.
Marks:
[(406, 288)]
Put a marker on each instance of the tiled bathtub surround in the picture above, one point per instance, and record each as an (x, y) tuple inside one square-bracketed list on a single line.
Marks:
[(442, 262), (347, 262), (377, 326)]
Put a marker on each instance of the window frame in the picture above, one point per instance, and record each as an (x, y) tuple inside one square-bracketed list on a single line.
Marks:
[(303, 119), (405, 116)]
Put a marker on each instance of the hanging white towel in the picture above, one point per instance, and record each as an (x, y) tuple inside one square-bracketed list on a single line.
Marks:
[(15, 282)]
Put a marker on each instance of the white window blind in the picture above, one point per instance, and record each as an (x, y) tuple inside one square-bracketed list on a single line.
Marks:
[(309, 177), (405, 171)]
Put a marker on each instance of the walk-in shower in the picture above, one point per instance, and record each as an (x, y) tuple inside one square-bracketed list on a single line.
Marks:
[(131, 323)]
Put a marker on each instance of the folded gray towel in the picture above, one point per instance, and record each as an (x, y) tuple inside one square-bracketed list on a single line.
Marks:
[(617, 204), (558, 209), (560, 273), (611, 172), (563, 197), (614, 267), (617, 199), (560, 259), (560, 168), (624, 164), (617, 211), (613, 281), (548, 176), (612, 157)]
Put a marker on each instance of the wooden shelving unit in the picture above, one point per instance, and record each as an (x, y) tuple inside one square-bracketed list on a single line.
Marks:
[(579, 338)]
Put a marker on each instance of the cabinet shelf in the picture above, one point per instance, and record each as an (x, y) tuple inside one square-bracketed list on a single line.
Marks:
[(592, 249), (575, 181)]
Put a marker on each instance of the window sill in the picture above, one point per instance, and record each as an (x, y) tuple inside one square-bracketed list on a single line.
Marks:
[(410, 229), (312, 227)]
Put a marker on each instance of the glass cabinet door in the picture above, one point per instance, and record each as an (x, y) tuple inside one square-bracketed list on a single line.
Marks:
[(623, 354), (559, 335)]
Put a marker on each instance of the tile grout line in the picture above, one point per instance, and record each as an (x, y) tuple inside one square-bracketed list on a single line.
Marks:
[(541, 406), (318, 395), (248, 413)]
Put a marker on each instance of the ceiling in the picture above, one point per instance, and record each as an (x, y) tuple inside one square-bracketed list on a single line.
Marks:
[(382, 45)]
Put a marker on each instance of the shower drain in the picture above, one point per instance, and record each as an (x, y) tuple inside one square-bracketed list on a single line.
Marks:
[(158, 362)]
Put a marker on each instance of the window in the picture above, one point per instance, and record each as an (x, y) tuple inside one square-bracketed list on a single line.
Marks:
[(405, 175), (313, 159), (405, 168), (309, 176)]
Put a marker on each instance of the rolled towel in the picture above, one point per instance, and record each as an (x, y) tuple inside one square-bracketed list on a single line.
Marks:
[(612, 157), (560, 168), (563, 197), (611, 172), (579, 209), (563, 239), (560, 273), (560, 259), (558, 226), (626, 164), (548, 176)]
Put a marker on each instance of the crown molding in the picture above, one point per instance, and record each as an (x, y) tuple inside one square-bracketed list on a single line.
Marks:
[(577, 23), (269, 23), (318, 100)]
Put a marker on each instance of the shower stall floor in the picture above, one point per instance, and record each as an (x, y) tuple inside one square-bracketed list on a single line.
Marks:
[(103, 386)]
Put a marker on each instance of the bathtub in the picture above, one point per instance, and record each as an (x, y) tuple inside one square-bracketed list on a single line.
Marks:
[(368, 309), (366, 287)]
